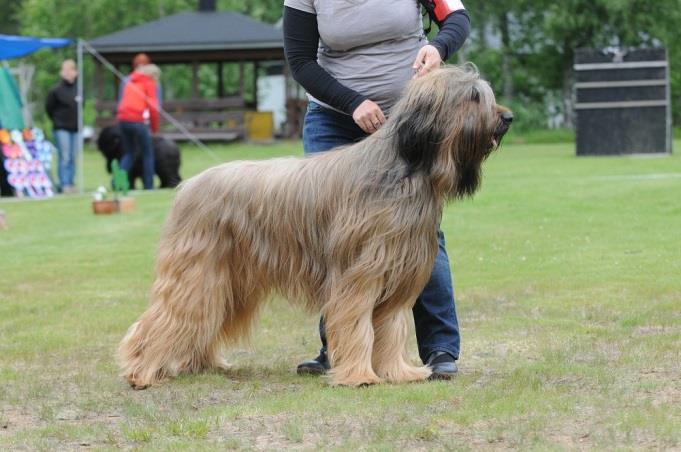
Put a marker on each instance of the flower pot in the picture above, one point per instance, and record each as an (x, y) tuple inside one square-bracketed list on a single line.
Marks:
[(126, 204), (104, 207)]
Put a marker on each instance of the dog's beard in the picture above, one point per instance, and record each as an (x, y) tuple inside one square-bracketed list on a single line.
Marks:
[(468, 174), (467, 180)]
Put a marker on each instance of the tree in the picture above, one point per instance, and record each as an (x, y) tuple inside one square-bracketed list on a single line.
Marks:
[(525, 47), (10, 24), (88, 19), (538, 39)]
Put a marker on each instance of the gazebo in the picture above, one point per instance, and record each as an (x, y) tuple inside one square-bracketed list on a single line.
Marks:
[(195, 38)]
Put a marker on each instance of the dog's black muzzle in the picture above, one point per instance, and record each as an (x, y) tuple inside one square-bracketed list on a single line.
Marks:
[(503, 124), (507, 117)]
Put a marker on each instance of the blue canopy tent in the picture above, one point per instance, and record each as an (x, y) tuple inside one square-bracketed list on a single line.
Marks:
[(12, 47), (20, 46)]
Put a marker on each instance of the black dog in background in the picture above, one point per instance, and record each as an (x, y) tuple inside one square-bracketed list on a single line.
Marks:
[(166, 155)]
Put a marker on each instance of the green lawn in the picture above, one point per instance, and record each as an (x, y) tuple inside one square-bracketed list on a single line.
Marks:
[(568, 280)]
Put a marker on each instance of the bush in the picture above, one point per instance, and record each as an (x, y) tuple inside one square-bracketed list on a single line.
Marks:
[(527, 116)]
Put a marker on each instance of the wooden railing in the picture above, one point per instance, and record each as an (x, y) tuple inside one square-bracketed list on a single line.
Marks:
[(207, 119)]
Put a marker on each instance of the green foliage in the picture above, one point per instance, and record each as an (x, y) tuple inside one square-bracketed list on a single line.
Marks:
[(121, 184), (89, 19), (543, 36), (527, 115), (9, 24), (537, 39)]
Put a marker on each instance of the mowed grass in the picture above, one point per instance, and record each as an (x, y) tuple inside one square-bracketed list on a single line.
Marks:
[(568, 280)]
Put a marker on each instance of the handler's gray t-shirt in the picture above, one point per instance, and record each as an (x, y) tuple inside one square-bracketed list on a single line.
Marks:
[(367, 45)]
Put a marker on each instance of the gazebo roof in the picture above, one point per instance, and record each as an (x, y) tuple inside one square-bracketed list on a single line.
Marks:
[(211, 33)]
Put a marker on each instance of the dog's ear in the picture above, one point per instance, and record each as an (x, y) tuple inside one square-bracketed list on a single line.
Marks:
[(470, 145), (418, 138)]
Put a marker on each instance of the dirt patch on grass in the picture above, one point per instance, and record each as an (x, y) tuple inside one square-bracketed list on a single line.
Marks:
[(653, 330), (12, 420), (263, 432)]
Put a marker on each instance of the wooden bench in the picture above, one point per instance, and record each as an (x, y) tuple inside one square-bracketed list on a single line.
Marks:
[(208, 119)]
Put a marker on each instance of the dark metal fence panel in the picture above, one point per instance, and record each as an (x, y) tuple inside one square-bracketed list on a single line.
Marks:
[(622, 102)]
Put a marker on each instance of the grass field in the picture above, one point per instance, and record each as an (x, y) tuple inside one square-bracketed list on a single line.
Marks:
[(568, 280)]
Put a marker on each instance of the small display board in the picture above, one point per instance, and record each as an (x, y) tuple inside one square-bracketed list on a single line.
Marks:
[(622, 102), (25, 158)]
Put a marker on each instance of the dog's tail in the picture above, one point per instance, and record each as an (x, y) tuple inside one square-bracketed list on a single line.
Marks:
[(164, 343), (180, 331), (197, 303)]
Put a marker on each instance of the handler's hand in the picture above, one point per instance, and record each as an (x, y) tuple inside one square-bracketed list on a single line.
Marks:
[(368, 116), (427, 60)]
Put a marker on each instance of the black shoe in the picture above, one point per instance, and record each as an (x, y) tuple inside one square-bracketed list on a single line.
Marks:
[(317, 366), (443, 365)]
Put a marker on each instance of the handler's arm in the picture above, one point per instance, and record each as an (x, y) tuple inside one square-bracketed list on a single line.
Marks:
[(451, 36), (301, 40)]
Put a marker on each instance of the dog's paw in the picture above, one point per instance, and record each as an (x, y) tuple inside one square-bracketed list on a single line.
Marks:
[(137, 383), (407, 374), (354, 379)]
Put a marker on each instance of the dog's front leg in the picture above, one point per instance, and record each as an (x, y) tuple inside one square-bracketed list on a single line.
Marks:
[(391, 336), (350, 336)]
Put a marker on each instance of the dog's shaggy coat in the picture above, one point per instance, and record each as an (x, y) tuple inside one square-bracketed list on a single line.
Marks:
[(350, 233)]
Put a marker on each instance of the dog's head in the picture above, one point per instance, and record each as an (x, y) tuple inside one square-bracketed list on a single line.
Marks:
[(446, 125), (110, 145)]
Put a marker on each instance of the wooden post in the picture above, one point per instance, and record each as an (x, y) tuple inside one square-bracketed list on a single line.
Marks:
[(116, 83), (221, 82), (287, 87), (256, 67), (242, 81), (195, 79), (99, 89)]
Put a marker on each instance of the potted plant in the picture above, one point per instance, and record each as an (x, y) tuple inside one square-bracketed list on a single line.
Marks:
[(121, 202), (101, 205), (121, 184)]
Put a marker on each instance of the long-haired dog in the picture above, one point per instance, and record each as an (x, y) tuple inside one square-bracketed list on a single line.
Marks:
[(350, 233)]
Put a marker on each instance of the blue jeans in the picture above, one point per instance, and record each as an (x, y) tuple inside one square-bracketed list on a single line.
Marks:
[(137, 139), (437, 328), (66, 142)]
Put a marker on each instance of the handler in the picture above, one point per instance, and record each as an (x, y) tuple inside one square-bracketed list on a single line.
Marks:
[(354, 58), (139, 100)]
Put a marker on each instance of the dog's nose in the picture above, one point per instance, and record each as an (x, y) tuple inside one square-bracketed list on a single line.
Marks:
[(507, 117)]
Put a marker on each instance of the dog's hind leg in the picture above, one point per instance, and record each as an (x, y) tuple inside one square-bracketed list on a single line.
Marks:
[(350, 335), (240, 314), (390, 356), (180, 330)]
